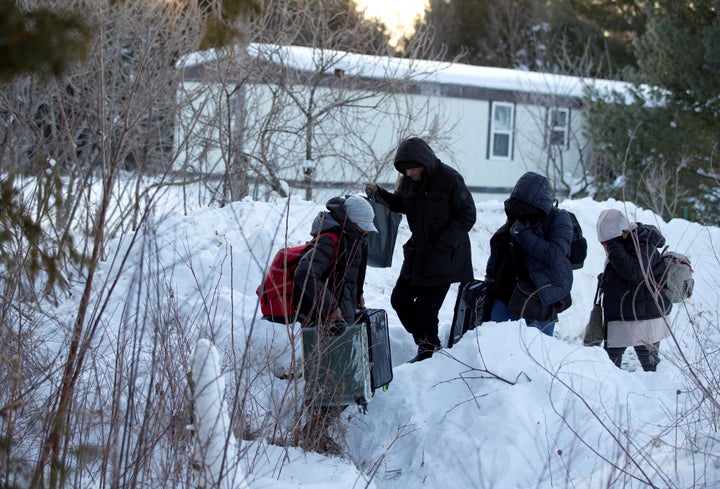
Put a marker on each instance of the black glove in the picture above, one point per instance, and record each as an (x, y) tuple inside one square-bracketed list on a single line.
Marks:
[(518, 227)]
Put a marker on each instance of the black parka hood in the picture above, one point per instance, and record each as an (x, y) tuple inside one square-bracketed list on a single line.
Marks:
[(416, 150)]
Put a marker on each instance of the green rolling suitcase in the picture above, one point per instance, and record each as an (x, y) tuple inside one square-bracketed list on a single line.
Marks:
[(336, 367)]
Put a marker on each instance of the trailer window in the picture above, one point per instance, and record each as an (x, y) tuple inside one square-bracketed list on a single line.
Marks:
[(501, 130)]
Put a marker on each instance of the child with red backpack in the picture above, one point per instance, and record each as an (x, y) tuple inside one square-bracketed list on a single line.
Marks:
[(321, 282), (329, 277), (329, 290)]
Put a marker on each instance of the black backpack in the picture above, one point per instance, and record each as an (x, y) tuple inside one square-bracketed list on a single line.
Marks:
[(578, 245)]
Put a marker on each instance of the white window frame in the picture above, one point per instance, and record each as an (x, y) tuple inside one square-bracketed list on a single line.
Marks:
[(559, 129), (493, 152)]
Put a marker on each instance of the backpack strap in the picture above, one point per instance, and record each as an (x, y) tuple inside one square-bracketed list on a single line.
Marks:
[(336, 243), (547, 222), (335, 238), (308, 248)]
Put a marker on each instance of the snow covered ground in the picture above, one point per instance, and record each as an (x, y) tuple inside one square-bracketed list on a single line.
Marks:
[(507, 407)]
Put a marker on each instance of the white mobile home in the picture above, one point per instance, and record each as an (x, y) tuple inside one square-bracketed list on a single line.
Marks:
[(331, 120)]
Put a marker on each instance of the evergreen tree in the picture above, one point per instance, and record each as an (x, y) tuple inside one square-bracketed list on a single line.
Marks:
[(592, 37), (583, 37), (222, 25), (679, 53), (484, 32), (330, 24), (663, 143), (40, 40), (44, 42)]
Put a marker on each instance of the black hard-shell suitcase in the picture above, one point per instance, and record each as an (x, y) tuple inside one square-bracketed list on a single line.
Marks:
[(336, 366), (376, 323), (469, 309)]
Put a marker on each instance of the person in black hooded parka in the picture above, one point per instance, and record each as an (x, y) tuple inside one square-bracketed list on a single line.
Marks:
[(440, 212)]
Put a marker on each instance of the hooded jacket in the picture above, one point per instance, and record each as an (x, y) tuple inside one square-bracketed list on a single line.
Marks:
[(543, 245), (634, 265), (440, 212), (325, 281)]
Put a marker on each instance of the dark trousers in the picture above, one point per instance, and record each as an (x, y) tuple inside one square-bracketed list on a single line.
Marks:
[(418, 309), (648, 356)]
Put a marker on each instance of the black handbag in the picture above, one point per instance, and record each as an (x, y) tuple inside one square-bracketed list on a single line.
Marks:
[(595, 329), (381, 245), (525, 302)]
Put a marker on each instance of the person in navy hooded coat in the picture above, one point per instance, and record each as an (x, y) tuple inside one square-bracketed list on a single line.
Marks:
[(440, 212), (634, 305), (529, 271)]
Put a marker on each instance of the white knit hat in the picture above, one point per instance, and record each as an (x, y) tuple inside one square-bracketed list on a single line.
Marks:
[(360, 212), (611, 224)]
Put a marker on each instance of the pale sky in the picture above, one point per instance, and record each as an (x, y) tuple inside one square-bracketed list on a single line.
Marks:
[(398, 15)]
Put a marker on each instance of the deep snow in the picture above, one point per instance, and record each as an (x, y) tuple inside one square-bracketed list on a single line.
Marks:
[(507, 407)]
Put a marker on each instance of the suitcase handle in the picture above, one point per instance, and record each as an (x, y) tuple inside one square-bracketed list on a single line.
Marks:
[(335, 329)]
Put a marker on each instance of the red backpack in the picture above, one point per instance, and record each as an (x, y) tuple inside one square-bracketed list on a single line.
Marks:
[(277, 301)]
